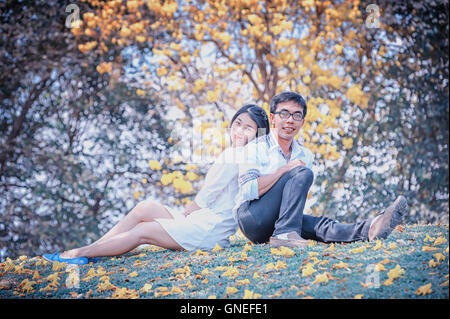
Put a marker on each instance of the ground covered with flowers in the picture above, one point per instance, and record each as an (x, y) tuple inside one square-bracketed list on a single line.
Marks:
[(412, 263)]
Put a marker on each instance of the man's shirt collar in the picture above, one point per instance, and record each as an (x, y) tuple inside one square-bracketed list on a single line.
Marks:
[(295, 145)]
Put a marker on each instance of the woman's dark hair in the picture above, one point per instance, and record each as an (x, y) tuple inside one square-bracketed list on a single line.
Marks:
[(258, 115), (288, 97)]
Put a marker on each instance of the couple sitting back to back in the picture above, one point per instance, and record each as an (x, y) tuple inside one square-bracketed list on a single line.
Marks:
[(262, 191)]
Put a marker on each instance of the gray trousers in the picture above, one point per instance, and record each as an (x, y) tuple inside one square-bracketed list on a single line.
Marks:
[(280, 210)]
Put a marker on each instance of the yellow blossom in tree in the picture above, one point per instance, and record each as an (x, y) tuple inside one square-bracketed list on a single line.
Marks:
[(104, 67), (357, 96), (154, 165), (347, 142), (198, 85), (211, 96), (140, 92), (166, 179)]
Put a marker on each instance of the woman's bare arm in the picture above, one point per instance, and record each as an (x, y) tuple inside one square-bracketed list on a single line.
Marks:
[(190, 208)]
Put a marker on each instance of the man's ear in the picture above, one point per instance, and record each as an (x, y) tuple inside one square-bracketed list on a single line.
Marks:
[(303, 122), (271, 119)]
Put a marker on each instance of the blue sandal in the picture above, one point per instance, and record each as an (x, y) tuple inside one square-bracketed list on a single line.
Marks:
[(56, 257), (93, 259)]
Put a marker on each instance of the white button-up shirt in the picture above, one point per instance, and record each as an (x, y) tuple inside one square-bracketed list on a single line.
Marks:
[(220, 186), (263, 156)]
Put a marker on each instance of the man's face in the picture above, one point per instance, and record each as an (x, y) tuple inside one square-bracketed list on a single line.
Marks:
[(287, 128)]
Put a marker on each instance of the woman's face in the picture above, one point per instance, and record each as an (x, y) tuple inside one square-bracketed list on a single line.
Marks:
[(243, 130)]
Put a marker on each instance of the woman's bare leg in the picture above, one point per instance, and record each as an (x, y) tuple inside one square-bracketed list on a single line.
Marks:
[(144, 211), (143, 233)]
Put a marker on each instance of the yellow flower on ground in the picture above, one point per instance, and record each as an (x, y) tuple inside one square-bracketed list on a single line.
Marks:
[(280, 264), (378, 245), (439, 257), (433, 263), (248, 294), (321, 278), (231, 290), (146, 288), (282, 251), (439, 240), (358, 250), (394, 273), (231, 272), (308, 270), (27, 285), (216, 248), (358, 296), (243, 282), (424, 290)]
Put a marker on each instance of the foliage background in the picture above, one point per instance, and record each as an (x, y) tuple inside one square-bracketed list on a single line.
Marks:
[(98, 115)]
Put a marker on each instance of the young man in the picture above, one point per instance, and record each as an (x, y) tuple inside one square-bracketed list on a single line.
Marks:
[(274, 179)]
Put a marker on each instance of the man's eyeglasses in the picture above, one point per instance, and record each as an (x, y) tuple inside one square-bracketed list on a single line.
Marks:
[(297, 116)]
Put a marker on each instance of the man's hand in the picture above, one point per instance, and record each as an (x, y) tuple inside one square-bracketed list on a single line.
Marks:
[(292, 164)]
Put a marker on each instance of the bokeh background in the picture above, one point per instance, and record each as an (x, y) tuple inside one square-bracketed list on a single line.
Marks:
[(107, 103)]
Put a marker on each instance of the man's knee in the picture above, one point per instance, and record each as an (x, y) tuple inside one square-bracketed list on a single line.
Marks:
[(302, 173)]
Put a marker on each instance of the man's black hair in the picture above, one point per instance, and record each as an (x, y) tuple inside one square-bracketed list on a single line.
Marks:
[(288, 97)]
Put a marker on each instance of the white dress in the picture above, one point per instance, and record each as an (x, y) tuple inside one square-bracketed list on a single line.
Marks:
[(213, 223)]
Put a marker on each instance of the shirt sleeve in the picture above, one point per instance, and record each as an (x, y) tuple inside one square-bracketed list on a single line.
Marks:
[(249, 172), (220, 174), (310, 159)]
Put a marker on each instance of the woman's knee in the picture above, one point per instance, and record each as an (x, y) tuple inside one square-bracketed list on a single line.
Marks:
[(143, 210)]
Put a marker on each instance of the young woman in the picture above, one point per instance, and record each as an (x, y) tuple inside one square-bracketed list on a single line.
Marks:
[(207, 221)]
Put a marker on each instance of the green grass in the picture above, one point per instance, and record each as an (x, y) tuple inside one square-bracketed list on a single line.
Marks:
[(169, 277)]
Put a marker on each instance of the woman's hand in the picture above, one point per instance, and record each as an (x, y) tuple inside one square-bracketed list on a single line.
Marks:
[(190, 208)]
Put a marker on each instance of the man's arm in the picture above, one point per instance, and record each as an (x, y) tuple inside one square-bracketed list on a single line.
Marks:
[(265, 182)]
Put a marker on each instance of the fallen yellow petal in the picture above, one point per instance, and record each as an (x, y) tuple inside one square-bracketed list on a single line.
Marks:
[(424, 290), (231, 290), (439, 240)]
